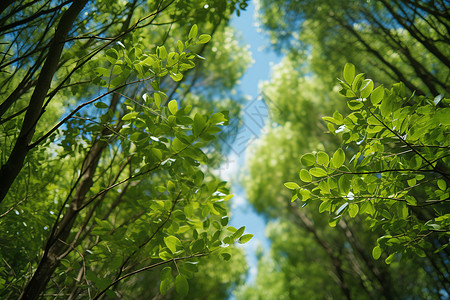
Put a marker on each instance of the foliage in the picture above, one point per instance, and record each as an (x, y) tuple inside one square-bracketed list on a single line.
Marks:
[(104, 174), (400, 40), (397, 177), (305, 251)]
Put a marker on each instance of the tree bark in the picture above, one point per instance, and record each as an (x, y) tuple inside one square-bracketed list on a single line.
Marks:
[(12, 167), (4, 4)]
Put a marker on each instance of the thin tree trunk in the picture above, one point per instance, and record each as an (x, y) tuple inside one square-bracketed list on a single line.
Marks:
[(57, 243), (380, 57), (12, 167), (382, 277), (335, 260), (57, 246), (418, 35)]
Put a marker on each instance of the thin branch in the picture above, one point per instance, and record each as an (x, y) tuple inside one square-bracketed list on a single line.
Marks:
[(147, 268), (407, 144), (60, 123)]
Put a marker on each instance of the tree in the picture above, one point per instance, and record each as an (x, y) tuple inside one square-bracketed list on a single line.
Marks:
[(115, 186)]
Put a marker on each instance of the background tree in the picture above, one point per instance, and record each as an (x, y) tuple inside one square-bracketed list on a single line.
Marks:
[(101, 176), (398, 40)]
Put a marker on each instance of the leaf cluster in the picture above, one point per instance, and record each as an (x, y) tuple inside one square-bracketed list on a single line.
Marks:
[(397, 177)]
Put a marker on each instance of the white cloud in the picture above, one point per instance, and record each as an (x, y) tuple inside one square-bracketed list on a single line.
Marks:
[(237, 201), (229, 169)]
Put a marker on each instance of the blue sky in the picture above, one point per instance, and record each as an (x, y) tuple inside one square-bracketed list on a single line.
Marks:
[(254, 116)]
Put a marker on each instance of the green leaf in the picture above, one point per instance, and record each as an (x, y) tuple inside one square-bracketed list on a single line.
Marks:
[(176, 76), (330, 119), (112, 55), (338, 158), (172, 58), (199, 124), (355, 104), (411, 181), (164, 286), (374, 129), (347, 93), (180, 46), (367, 88), (323, 159), (198, 246), (164, 255), (353, 209), (178, 145), (420, 252), (100, 105), (245, 238), (161, 52), (410, 200), (291, 185), (224, 221), (226, 256), (102, 71), (373, 121), (390, 258), (324, 187), (181, 285), (306, 194), (324, 206), (172, 243), (338, 117), (334, 221), (442, 116), (173, 106), (308, 159), (204, 38), (193, 32), (137, 136), (239, 232), (166, 274), (157, 98), (357, 82), (305, 176), (130, 116), (344, 184), (218, 118), (442, 184), (318, 172), (228, 197), (376, 252), (349, 73), (377, 95)]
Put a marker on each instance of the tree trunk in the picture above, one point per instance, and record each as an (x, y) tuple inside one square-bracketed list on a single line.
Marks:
[(12, 167)]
